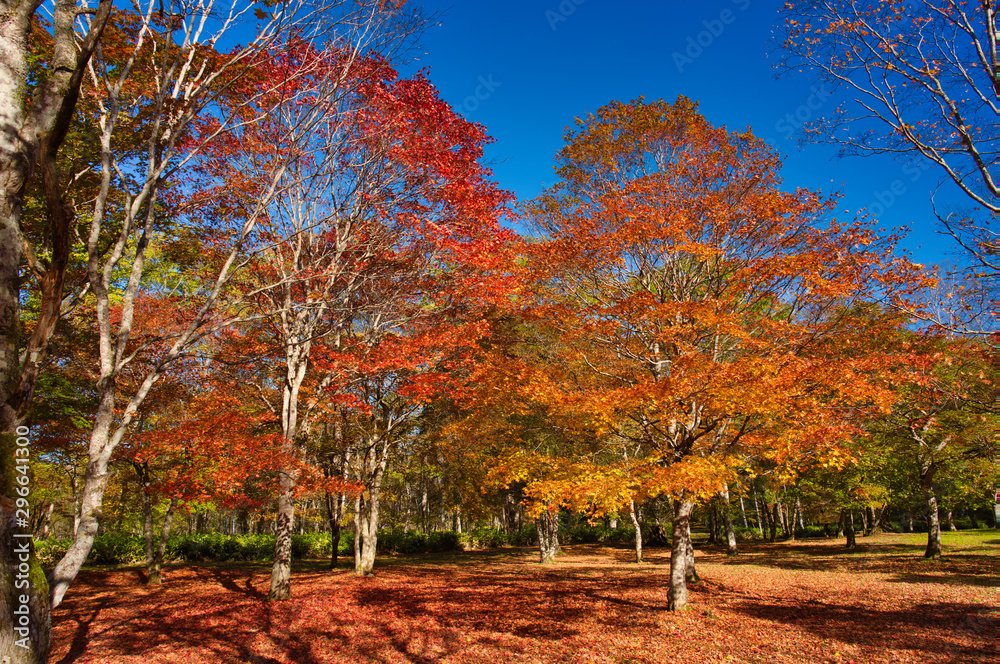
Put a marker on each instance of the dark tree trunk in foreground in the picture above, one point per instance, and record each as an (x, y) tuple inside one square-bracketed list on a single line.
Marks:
[(677, 597), (849, 531)]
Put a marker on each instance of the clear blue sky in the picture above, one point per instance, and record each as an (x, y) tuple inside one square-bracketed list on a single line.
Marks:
[(538, 64)]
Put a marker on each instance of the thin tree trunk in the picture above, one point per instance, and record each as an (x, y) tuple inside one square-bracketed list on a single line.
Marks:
[(154, 567), (951, 520), (792, 516), (756, 510), (743, 513), (638, 531), (727, 518), (677, 597), (147, 513), (782, 518), (358, 505), (849, 531), (774, 518), (877, 518)]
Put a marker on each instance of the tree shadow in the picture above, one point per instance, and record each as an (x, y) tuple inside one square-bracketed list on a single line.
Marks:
[(916, 628), (81, 635)]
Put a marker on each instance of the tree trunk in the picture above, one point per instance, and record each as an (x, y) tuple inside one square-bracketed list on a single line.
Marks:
[(877, 518), (798, 509), (154, 571), (841, 523), (547, 524), (281, 570), (951, 520), (638, 531), (358, 504), (368, 525), (972, 518), (29, 134), (849, 531), (928, 469), (677, 597), (792, 516), (727, 519), (95, 481), (774, 517), (25, 608), (334, 540), (377, 457), (756, 510), (147, 514), (933, 528), (710, 517), (743, 513)]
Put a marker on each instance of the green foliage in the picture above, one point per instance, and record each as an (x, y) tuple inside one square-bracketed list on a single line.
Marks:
[(130, 549), (399, 541), (747, 534)]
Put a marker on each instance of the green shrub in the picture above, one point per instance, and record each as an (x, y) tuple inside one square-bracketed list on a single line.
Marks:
[(446, 540), (747, 534), (311, 545), (51, 551), (130, 549), (117, 550), (526, 536)]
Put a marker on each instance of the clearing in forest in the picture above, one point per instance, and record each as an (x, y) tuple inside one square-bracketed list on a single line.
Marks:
[(805, 601)]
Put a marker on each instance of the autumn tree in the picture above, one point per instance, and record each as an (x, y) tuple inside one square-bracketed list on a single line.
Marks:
[(35, 117), (383, 242), (168, 82), (702, 305), (945, 414), (440, 264)]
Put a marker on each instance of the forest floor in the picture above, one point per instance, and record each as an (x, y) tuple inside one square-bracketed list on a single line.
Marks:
[(806, 601)]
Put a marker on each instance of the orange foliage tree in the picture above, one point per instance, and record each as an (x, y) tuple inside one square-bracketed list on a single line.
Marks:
[(697, 305)]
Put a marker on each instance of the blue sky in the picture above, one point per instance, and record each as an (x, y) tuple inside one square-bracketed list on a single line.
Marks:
[(525, 69)]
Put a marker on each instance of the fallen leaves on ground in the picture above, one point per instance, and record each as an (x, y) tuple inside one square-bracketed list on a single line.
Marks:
[(792, 602)]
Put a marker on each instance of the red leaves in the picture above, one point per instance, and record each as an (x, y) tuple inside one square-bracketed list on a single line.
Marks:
[(795, 603)]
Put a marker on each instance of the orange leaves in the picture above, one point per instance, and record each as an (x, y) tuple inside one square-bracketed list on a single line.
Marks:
[(696, 308)]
